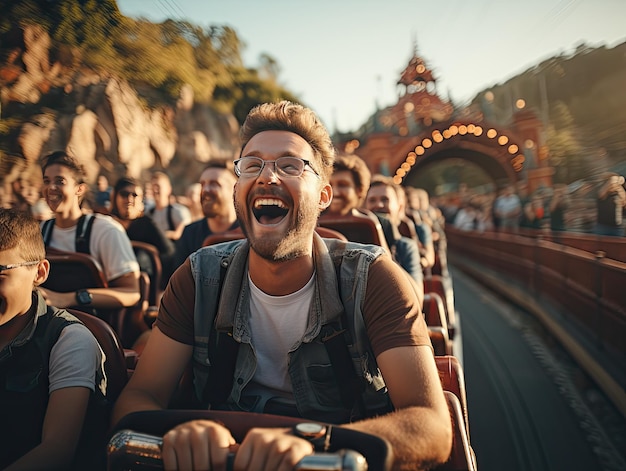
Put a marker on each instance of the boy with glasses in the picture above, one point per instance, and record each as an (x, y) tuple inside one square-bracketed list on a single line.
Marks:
[(44, 391)]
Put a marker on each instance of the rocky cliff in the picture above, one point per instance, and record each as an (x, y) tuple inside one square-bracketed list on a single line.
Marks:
[(102, 120)]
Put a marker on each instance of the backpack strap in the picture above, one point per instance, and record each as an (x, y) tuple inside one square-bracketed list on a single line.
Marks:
[(350, 386), (54, 327), (223, 350), (338, 340), (170, 219), (46, 231), (83, 232)]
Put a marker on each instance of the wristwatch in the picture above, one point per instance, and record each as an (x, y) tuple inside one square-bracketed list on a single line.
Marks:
[(317, 434), (83, 297)]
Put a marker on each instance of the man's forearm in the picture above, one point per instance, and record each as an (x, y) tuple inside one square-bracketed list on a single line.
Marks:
[(419, 437)]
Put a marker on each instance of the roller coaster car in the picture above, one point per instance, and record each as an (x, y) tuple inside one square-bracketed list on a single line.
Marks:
[(134, 444)]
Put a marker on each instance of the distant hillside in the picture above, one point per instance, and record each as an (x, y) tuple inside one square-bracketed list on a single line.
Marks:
[(582, 96)]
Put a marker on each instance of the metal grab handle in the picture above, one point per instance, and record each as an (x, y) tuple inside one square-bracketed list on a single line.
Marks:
[(129, 450)]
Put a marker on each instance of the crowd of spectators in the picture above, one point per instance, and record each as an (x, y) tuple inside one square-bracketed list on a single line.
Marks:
[(512, 208)]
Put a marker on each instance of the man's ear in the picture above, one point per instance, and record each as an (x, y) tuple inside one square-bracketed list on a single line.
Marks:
[(326, 196), (43, 269)]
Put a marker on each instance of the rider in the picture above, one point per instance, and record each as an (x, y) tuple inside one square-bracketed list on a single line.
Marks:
[(282, 287), (64, 189), (47, 396)]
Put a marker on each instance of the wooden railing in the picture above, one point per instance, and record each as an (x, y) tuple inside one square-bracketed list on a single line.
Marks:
[(613, 247), (587, 284)]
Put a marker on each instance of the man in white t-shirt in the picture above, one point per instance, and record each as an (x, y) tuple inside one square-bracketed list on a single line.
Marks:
[(64, 188), (508, 209), (169, 216)]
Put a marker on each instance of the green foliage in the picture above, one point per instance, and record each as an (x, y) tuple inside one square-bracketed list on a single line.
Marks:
[(162, 57), (247, 90)]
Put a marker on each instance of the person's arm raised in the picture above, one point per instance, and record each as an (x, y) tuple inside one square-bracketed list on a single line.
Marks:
[(156, 377)]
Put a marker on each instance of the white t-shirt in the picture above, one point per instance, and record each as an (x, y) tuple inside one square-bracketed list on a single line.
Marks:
[(507, 204), (75, 343), (180, 216), (278, 324), (109, 245)]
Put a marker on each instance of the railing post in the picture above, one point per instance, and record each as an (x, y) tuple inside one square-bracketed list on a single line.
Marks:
[(536, 287), (600, 255)]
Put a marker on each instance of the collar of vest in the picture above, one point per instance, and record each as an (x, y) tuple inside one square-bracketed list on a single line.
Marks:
[(27, 332), (325, 307)]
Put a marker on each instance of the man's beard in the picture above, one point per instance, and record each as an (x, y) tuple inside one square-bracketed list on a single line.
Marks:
[(279, 248), (211, 208)]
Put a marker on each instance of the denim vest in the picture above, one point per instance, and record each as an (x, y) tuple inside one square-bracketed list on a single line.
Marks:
[(24, 385), (315, 389)]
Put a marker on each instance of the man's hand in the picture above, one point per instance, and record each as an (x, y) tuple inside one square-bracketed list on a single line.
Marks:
[(205, 445), (271, 449), (197, 445)]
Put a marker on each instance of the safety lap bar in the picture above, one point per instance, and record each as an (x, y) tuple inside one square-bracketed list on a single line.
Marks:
[(377, 451), (130, 450)]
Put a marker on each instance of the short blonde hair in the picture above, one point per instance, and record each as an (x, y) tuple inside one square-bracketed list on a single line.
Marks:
[(288, 116), (19, 229)]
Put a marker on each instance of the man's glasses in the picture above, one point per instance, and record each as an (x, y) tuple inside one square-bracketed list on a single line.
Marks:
[(126, 194), (17, 265), (283, 166)]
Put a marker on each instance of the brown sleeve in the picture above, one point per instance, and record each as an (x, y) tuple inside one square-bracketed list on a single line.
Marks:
[(392, 310), (175, 317)]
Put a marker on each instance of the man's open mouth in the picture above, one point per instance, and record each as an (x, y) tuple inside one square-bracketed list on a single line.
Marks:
[(269, 210)]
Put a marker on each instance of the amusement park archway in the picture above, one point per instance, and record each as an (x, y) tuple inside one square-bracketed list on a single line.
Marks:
[(499, 152)]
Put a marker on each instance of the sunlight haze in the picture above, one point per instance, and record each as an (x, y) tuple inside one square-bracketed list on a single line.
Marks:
[(343, 58)]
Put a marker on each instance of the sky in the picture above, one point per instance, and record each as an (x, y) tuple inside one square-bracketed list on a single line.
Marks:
[(343, 57)]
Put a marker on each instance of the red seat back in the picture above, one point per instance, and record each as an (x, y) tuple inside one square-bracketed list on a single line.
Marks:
[(329, 233), (238, 234), (150, 253), (223, 237), (440, 341), (356, 227), (437, 284), (115, 364), (462, 457), (70, 271), (434, 310), (453, 380)]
